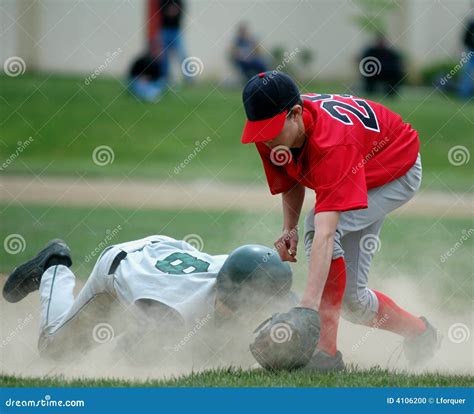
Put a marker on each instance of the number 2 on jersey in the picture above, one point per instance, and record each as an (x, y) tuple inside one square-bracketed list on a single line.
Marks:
[(358, 107), (181, 263)]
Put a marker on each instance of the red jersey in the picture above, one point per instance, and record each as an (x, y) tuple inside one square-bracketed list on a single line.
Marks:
[(351, 146)]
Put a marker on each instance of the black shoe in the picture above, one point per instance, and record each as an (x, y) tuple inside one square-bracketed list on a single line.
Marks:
[(323, 362), (422, 348), (27, 277)]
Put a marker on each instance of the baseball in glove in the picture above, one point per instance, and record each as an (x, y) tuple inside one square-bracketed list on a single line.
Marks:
[(287, 341)]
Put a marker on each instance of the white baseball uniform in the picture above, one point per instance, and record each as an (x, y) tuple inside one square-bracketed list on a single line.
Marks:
[(159, 268)]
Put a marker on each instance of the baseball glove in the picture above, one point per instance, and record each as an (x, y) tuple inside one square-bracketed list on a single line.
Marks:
[(287, 340)]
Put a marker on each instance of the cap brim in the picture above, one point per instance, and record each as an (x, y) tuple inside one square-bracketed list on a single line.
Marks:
[(263, 130)]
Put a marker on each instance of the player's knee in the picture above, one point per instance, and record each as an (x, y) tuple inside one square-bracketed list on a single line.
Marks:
[(308, 244), (358, 309), (337, 250)]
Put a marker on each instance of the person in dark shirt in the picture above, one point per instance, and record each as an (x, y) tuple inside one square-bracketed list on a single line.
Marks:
[(145, 80), (171, 12), (381, 67), (466, 85), (171, 35), (246, 53)]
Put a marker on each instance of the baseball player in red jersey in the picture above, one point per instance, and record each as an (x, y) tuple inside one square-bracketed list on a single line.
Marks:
[(362, 161)]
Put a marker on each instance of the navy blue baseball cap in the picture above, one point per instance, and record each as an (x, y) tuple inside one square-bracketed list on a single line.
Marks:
[(268, 97)]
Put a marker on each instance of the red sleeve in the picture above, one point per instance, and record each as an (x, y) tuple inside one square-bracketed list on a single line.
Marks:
[(339, 180), (278, 179)]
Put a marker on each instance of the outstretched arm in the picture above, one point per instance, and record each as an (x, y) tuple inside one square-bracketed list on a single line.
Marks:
[(325, 224)]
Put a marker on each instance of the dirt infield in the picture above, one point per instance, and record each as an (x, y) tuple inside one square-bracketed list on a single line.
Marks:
[(171, 194), (362, 346)]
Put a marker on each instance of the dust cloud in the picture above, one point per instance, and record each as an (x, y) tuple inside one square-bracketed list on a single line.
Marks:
[(143, 356)]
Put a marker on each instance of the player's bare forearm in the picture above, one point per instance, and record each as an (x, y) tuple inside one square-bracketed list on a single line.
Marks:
[(287, 243), (320, 260), (321, 254), (292, 204)]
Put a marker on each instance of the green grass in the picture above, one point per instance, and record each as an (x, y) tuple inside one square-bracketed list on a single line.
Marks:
[(67, 120), (374, 377), (411, 246)]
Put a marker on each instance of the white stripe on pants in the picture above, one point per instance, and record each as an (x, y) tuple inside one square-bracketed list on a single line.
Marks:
[(65, 327)]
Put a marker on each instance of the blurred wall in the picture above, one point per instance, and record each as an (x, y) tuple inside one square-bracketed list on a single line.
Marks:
[(82, 36), (70, 36)]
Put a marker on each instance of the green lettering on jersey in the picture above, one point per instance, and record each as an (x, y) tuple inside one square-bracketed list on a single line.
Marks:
[(181, 263)]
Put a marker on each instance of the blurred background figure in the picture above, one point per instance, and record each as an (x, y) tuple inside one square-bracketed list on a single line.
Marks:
[(466, 85), (381, 67), (246, 53), (171, 35), (145, 79)]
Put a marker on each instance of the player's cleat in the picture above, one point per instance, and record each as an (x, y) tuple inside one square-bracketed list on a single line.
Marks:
[(323, 362), (423, 347), (26, 278)]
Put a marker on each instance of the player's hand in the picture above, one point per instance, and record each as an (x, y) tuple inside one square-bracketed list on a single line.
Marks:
[(287, 245)]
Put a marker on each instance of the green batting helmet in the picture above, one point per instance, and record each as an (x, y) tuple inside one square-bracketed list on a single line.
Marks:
[(252, 273)]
